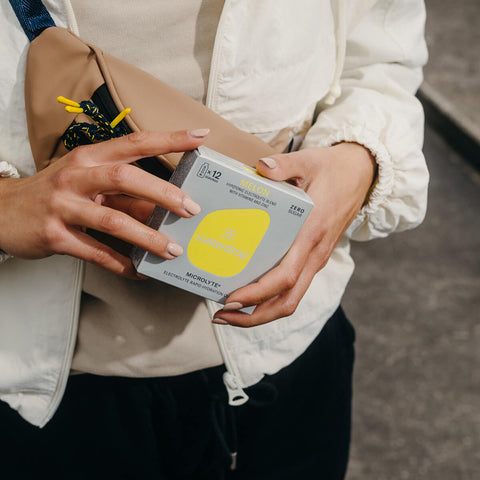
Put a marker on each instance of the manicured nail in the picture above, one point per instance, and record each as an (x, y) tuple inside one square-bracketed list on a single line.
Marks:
[(199, 132), (219, 321), (232, 306), (190, 206), (269, 162), (174, 249)]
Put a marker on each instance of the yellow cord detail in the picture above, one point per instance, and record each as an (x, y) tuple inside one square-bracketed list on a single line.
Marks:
[(81, 133), (120, 117), (66, 101), (70, 109)]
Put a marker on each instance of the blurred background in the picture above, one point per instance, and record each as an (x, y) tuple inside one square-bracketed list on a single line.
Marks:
[(415, 298)]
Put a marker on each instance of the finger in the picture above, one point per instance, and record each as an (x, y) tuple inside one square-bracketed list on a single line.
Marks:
[(85, 247), (135, 182), (306, 257), (295, 166), (123, 227), (135, 146), (138, 209), (280, 306), (280, 279)]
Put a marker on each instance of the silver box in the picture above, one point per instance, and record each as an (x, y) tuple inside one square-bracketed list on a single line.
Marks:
[(246, 226)]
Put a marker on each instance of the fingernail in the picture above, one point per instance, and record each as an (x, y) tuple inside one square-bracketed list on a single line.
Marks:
[(220, 321), (232, 306), (174, 249), (269, 162), (190, 206), (199, 132)]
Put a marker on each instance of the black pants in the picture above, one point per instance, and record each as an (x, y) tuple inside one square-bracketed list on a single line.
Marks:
[(295, 426)]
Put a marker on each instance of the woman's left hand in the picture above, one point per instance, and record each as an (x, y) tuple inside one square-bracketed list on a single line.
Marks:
[(337, 179)]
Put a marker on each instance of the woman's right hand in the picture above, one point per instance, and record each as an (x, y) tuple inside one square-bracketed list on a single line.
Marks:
[(95, 187)]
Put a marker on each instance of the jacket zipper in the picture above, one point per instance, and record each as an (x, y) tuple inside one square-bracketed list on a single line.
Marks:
[(231, 378), (72, 338)]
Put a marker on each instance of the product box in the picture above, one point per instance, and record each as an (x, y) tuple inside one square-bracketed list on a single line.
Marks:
[(246, 226)]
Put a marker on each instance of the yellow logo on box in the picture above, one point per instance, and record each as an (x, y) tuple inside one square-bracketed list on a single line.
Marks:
[(225, 240)]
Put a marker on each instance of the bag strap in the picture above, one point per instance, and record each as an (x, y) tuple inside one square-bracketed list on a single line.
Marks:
[(33, 17)]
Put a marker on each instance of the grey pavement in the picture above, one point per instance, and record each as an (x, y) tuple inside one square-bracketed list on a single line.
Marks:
[(452, 75), (415, 303), (415, 296)]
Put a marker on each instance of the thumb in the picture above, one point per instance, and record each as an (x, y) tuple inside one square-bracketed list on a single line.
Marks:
[(285, 166)]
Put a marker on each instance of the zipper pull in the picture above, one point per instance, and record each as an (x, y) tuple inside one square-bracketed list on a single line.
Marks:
[(236, 395)]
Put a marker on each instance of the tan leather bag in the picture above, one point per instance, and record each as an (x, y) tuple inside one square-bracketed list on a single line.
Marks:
[(61, 63)]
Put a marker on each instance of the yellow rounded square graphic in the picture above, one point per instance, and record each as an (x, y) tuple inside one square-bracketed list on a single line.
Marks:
[(225, 240)]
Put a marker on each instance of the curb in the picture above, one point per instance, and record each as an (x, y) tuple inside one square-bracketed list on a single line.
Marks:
[(456, 129)]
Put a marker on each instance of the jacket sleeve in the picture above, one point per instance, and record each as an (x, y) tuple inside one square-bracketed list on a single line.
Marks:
[(376, 107), (15, 155), (7, 170)]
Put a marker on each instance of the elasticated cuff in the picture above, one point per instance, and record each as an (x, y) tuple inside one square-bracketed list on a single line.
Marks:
[(4, 256), (7, 170), (384, 182)]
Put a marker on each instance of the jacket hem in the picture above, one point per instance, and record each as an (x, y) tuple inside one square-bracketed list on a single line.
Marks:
[(57, 396)]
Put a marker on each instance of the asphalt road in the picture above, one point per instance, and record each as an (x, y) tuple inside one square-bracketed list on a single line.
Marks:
[(415, 303)]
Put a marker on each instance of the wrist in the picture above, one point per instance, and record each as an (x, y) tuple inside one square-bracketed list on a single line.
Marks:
[(5, 184), (360, 162)]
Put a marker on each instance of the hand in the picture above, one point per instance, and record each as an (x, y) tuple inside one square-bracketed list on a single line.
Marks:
[(337, 179), (94, 187)]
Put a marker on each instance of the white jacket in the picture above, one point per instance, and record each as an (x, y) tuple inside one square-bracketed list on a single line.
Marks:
[(274, 61)]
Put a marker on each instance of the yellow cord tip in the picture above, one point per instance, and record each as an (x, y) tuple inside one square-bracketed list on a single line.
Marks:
[(70, 109), (120, 117), (66, 101)]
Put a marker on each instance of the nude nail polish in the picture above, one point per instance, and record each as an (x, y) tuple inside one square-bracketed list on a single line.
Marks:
[(269, 162), (199, 132), (232, 306), (174, 249), (220, 321), (190, 206)]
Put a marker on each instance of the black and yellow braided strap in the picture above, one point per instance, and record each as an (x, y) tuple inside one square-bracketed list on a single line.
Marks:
[(81, 133)]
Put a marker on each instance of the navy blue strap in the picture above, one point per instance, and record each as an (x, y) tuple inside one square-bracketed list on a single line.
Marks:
[(33, 16)]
